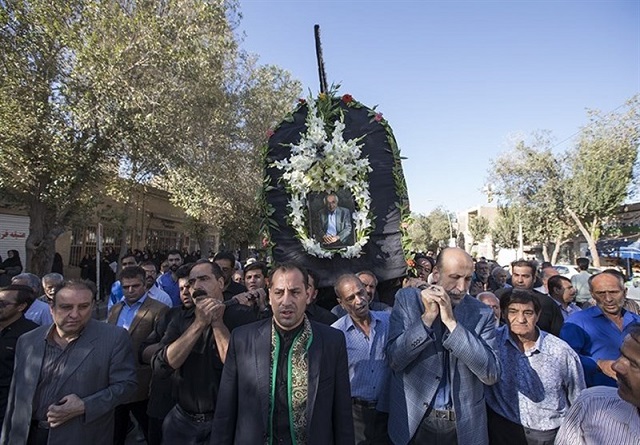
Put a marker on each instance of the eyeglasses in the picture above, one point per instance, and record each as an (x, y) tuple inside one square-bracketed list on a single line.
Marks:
[(4, 304)]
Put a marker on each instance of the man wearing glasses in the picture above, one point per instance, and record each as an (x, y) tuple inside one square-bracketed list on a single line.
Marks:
[(596, 333), (14, 301)]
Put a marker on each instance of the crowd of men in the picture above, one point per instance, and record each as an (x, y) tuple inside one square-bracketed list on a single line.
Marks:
[(209, 353)]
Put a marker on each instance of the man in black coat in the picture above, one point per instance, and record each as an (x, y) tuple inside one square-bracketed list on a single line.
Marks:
[(266, 358)]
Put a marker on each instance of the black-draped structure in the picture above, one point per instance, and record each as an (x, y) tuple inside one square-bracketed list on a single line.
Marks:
[(383, 254)]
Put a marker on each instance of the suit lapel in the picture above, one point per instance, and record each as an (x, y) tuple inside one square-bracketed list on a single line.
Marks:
[(82, 349), (33, 361), (115, 313), (314, 355), (140, 314), (263, 362)]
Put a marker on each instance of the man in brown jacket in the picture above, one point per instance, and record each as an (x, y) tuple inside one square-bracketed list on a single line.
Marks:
[(138, 313)]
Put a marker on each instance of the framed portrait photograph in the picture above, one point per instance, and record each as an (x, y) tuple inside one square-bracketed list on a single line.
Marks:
[(330, 220)]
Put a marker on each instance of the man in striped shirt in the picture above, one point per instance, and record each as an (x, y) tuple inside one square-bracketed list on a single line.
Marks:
[(605, 415)]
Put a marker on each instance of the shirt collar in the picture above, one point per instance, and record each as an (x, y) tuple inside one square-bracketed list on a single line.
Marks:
[(137, 303), (537, 347), (348, 321)]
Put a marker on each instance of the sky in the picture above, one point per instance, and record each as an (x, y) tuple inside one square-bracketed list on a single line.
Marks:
[(459, 81)]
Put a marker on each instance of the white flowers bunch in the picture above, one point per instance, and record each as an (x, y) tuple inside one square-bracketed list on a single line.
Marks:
[(319, 164)]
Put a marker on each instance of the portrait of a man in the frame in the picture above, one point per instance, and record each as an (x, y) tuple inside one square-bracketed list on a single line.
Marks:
[(330, 217)]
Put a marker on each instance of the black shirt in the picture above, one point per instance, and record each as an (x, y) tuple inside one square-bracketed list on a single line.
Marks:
[(281, 427), (8, 339), (320, 314), (233, 289), (198, 379)]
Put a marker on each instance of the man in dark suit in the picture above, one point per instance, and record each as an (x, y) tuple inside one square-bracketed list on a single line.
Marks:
[(523, 276), (308, 357), (138, 313), (14, 301), (334, 223), (72, 376)]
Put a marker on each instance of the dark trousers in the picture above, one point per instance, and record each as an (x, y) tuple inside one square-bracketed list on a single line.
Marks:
[(179, 428), (502, 431), (370, 425), (434, 431), (155, 431), (122, 421), (37, 434)]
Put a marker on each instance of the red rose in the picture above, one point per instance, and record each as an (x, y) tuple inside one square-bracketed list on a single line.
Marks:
[(270, 133), (347, 98), (378, 117)]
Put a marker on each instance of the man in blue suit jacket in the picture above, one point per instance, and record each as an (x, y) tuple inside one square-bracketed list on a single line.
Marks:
[(441, 351), (334, 223)]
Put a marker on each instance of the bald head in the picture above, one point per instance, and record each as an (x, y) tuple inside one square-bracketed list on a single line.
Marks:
[(449, 254), (453, 271), (492, 301)]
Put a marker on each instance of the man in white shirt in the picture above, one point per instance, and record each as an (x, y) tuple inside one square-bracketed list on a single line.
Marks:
[(153, 289)]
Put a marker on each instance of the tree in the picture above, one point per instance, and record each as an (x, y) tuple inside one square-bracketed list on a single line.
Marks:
[(419, 231), (102, 97), (530, 179), (218, 186), (479, 228), (50, 158), (505, 228), (601, 170)]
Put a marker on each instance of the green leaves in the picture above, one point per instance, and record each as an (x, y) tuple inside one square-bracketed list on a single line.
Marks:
[(556, 194)]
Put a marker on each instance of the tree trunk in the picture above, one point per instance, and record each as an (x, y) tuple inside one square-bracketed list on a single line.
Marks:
[(41, 242), (556, 249), (545, 251), (591, 242)]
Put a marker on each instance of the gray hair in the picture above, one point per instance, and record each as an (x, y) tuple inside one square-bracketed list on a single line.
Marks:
[(53, 278), (614, 273), (32, 281), (345, 278)]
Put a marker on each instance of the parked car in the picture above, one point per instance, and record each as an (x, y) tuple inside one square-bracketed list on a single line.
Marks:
[(569, 270)]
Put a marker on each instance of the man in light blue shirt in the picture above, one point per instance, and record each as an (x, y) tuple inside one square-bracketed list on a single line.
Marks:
[(39, 312), (153, 289), (115, 296), (334, 223), (168, 281), (365, 332)]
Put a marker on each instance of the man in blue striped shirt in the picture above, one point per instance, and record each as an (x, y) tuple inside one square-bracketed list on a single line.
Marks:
[(606, 416), (365, 332)]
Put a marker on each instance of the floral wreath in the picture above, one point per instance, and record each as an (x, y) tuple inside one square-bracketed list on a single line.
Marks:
[(325, 164)]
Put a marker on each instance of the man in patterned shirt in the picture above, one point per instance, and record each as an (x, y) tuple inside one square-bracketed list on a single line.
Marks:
[(366, 334), (543, 380)]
